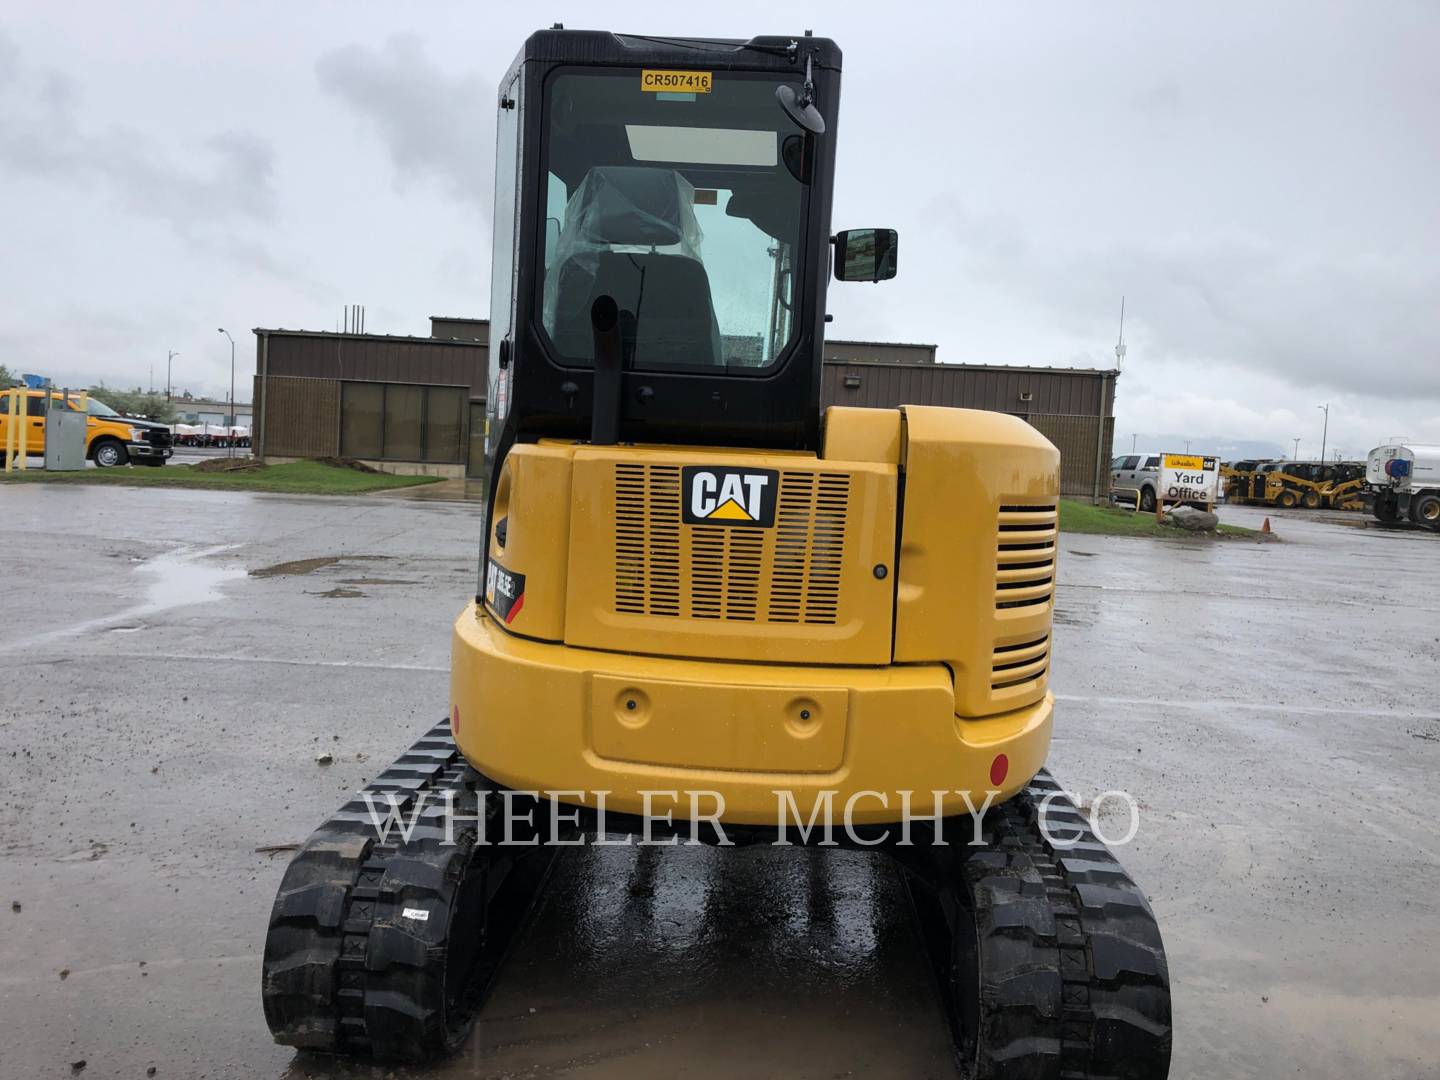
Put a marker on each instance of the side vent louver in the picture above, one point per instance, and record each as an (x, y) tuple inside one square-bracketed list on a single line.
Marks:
[(1025, 556), (1019, 665)]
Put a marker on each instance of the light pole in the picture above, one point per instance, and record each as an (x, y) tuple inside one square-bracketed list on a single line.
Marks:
[(1187, 446), (1325, 432), (1297, 451), (1133, 437), (230, 422), (168, 361)]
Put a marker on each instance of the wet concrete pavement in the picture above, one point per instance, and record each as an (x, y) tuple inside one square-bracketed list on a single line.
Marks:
[(1270, 706)]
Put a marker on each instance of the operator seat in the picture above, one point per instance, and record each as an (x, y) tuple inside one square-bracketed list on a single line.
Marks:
[(667, 314)]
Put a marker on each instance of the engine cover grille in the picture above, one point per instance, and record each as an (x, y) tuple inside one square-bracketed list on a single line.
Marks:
[(666, 567)]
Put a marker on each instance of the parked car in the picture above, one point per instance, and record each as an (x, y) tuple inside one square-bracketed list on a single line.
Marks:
[(110, 439)]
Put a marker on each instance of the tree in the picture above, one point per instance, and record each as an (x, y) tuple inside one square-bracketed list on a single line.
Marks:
[(138, 403), (7, 378)]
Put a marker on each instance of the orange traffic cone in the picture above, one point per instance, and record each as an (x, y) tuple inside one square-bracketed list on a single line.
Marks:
[(1265, 528)]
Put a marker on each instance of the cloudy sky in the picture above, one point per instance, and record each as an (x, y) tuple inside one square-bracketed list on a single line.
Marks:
[(1259, 181)]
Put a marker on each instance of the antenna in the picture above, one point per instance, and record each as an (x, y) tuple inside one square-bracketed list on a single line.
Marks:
[(1120, 345)]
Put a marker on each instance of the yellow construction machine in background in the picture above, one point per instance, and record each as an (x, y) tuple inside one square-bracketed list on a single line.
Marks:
[(1315, 485)]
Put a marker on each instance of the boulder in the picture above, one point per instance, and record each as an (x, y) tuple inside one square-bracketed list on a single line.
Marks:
[(1190, 519)]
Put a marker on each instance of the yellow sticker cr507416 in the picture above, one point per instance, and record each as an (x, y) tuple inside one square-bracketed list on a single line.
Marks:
[(693, 82)]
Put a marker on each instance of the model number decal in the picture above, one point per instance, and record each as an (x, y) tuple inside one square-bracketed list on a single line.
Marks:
[(504, 591), (694, 82)]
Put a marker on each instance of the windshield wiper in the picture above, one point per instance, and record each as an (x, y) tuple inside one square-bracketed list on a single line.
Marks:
[(789, 51)]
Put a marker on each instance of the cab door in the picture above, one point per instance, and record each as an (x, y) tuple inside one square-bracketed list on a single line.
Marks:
[(35, 424)]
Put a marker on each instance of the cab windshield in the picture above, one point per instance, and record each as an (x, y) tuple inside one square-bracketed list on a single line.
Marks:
[(684, 205)]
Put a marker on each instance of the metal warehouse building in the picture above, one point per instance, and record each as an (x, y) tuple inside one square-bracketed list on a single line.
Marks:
[(404, 404), (416, 404), (1072, 407)]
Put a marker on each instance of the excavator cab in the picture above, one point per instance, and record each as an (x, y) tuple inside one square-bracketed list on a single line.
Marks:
[(708, 610), (671, 178)]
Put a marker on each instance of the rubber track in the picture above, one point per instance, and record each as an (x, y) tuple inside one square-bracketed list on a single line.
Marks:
[(1057, 967), (344, 971)]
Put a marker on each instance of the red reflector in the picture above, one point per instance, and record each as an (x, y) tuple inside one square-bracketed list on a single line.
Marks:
[(999, 769), (455, 721)]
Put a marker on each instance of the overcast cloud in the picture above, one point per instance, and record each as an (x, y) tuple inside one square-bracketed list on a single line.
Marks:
[(1257, 180), (433, 125)]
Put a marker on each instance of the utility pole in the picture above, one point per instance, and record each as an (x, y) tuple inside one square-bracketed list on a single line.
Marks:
[(1187, 446), (168, 361), (1325, 432), (1297, 451), (230, 422)]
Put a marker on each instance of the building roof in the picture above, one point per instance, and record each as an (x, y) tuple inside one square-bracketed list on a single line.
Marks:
[(942, 364), (885, 344), (178, 402), (466, 343)]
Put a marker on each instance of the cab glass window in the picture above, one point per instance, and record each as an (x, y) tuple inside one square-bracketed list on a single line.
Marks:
[(1130, 462), (684, 207), (1152, 462)]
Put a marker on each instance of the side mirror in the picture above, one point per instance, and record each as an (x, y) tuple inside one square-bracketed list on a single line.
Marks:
[(865, 254), (800, 109)]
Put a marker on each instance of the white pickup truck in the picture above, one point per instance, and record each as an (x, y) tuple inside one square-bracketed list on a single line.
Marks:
[(1404, 482)]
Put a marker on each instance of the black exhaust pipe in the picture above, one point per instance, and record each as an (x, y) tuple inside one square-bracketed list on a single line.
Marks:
[(605, 411)]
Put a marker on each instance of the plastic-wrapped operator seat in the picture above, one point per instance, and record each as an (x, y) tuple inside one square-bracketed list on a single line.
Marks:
[(667, 314)]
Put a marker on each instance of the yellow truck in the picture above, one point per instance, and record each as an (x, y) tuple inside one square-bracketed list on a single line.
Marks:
[(110, 439)]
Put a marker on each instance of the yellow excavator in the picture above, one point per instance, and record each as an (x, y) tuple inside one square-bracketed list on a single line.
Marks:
[(709, 610)]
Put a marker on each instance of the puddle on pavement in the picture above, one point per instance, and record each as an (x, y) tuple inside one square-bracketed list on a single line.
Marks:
[(181, 578), (177, 579), (340, 593), (296, 567)]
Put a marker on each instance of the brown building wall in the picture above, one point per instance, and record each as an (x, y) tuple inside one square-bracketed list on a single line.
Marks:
[(1070, 408), (455, 328), (879, 352), (300, 418), (1077, 438), (885, 385), (374, 358)]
